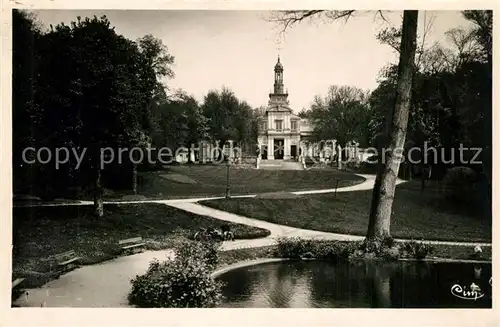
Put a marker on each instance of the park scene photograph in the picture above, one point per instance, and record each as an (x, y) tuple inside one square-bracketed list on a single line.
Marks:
[(252, 159)]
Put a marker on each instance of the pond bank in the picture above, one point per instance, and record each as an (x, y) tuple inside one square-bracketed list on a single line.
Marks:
[(237, 258), (107, 284)]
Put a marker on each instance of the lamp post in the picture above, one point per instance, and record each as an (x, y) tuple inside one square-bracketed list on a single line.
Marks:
[(257, 160), (228, 164)]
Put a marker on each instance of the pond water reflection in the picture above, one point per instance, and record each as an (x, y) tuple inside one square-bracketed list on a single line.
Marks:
[(317, 284)]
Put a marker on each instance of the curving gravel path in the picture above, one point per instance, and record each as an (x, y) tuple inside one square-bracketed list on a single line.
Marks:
[(364, 186), (107, 284)]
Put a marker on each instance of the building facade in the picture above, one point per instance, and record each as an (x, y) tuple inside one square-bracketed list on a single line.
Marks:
[(281, 133)]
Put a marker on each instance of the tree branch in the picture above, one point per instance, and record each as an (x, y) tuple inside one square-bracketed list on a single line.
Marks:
[(288, 19), (380, 13), (427, 28)]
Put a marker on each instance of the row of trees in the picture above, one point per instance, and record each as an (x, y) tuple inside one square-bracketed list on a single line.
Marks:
[(450, 100), (439, 95), (180, 120), (83, 86), (77, 86), (343, 114)]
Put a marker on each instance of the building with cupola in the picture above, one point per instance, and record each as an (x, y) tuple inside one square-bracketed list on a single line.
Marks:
[(281, 132)]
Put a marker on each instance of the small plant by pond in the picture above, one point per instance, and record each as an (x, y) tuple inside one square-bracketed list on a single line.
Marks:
[(417, 250), (183, 282)]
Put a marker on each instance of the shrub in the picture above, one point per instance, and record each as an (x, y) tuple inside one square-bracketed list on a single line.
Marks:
[(183, 282), (385, 249), (336, 250), (388, 242), (459, 182), (201, 251), (390, 253), (295, 248), (292, 247), (418, 250), (373, 246)]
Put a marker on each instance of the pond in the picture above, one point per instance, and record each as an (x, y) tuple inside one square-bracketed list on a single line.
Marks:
[(317, 284)]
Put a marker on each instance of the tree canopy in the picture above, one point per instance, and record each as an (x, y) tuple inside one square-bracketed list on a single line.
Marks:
[(83, 86)]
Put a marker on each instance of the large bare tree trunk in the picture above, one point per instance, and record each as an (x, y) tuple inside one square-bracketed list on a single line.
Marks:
[(385, 183)]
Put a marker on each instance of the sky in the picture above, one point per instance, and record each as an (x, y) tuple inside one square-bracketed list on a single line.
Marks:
[(238, 49)]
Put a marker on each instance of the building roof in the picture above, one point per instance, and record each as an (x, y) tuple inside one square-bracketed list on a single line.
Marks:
[(278, 108), (278, 65)]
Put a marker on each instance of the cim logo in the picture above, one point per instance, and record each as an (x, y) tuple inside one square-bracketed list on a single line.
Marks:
[(473, 292)]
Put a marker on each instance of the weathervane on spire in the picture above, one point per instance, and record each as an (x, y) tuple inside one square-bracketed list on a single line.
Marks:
[(278, 48)]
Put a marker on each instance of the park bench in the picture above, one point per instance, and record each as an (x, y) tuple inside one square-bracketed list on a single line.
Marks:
[(65, 258), (131, 243), (17, 282)]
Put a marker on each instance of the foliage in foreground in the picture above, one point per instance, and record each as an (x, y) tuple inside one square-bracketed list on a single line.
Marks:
[(183, 282)]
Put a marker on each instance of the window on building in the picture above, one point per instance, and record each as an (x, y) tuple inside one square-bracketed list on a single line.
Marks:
[(279, 125), (293, 125), (263, 126)]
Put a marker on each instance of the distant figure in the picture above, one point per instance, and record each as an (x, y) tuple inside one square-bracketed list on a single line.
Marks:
[(228, 236), (214, 234), (226, 233), (217, 235), (478, 252), (200, 235)]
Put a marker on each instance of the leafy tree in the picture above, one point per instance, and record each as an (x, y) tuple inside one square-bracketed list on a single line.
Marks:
[(483, 32), (246, 124), (451, 96), (222, 109), (25, 118), (157, 58), (304, 113), (90, 90), (181, 122), (229, 118), (173, 129), (343, 114), (260, 111), (194, 125)]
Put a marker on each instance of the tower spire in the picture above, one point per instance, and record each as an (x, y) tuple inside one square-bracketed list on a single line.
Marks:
[(279, 95), (278, 78)]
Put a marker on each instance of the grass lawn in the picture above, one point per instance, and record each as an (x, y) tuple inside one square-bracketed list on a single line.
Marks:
[(415, 215), (41, 232), (210, 180)]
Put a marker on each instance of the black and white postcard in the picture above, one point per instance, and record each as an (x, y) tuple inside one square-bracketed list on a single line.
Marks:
[(251, 156)]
